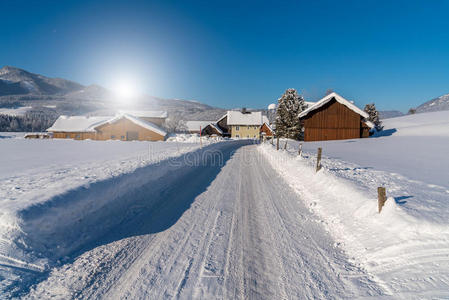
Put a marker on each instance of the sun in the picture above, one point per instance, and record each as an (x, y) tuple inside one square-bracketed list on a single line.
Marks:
[(125, 89)]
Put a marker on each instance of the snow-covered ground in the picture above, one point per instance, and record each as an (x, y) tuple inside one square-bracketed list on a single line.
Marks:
[(406, 247), (41, 193), (140, 220)]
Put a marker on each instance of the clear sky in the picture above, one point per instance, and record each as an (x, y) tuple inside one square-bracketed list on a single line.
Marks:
[(237, 53)]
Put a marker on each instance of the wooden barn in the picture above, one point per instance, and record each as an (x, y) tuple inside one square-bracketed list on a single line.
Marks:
[(334, 118), (212, 129), (266, 130), (123, 127)]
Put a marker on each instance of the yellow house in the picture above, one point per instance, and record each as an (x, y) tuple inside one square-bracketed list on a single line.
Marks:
[(123, 127), (244, 124)]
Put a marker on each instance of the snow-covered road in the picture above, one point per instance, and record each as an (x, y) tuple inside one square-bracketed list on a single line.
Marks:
[(228, 232)]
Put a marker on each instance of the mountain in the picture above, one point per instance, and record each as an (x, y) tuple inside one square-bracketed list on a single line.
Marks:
[(24, 82), (19, 87), (387, 114), (436, 104)]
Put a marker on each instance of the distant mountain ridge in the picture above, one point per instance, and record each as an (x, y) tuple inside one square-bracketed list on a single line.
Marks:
[(23, 88), (25, 82), (436, 104), (387, 114)]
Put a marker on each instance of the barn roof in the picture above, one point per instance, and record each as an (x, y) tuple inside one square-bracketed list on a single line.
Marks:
[(339, 99), (195, 125), (369, 124), (137, 121), (146, 113), (248, 118), (77, 123), (213, 125)]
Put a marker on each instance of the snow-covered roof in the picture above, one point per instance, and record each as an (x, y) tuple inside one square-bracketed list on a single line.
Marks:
[(248, 118), (195, 125), (222, 117), (265, 120), (146, 113), (339, 99), (369, 123), (77, 123), (213, 125), (272, 106), (137, 121)]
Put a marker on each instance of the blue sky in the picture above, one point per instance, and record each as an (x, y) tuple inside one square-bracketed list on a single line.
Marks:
[(235, 53)]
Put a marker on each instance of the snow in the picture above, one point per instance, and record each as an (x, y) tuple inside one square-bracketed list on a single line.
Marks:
[(272, 106), (337, 97), (89, 124), (203, 239), (20, 111), (42, 184), (78, 123), (137, 121), (249, 118), (230, 220), (145, 113), (405, 248), (196, 125)]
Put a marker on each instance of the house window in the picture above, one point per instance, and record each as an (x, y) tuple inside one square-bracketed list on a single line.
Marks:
[(112, 137), (122, 137), (237, 136), (237, 128), (67, 136), (77, 136), (247, 136), (248, 127)]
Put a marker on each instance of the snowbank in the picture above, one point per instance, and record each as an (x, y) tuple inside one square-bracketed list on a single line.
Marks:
[(406, 246)]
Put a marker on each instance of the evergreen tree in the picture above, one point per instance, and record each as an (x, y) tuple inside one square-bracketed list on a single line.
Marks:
[(412, 111), (288, 109), (373, 114)]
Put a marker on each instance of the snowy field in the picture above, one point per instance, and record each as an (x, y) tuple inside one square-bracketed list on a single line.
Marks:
[(41, 186), (230, 220), (406, 247)]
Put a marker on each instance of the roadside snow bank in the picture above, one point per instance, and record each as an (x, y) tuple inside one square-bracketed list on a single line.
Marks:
[(406, 251), (45, 193)]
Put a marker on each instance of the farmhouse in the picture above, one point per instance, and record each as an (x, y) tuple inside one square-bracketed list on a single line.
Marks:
[(266, 130), (123, 127), (334, 118), (245, 124)]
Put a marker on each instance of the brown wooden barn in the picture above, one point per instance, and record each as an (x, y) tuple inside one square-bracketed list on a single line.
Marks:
[(334, 118), (123, 127), (212, 129), (266, 130)]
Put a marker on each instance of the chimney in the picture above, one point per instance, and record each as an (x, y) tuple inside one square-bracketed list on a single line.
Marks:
[(244, 110)]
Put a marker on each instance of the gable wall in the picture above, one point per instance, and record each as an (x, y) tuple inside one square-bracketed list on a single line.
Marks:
[(333, 121), (118, 131)]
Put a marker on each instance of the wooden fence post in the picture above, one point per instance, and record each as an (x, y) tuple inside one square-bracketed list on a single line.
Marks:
[(277, 143), (285, 146), (381, 197), (318, 160), (300, 149)]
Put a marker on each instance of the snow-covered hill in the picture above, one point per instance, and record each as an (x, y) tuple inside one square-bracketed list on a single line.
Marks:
[(67, 97), (436, 104), (30, 83)]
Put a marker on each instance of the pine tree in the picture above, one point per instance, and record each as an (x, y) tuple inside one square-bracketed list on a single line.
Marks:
[(373, 114), (288, 109)]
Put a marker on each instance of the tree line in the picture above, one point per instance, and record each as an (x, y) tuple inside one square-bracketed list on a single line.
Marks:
[(36, 120)]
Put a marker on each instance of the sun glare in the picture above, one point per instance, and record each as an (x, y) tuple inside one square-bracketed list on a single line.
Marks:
[(125, 90)]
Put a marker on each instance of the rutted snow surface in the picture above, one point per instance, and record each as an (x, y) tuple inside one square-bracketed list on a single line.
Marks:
[(237, 231)]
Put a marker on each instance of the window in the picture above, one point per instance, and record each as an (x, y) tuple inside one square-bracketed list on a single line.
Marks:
[(237, 136), (67, 136), (112, 137), (247, 136), (237, 128), (77, 136), (122, 137), (248, 127)]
